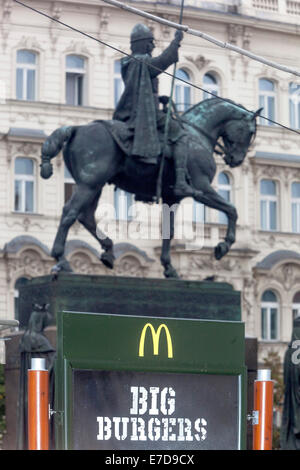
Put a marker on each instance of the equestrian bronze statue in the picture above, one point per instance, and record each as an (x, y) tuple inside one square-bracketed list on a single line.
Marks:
[(127, 150)]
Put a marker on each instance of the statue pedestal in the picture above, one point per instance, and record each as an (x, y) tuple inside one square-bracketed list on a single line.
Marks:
[(214, 307), (131, 296)]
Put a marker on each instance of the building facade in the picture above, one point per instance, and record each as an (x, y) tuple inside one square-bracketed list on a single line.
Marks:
[(53, 76)]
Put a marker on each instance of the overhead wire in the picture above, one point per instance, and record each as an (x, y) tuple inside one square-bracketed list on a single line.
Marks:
[(120, 51), (207, 37)]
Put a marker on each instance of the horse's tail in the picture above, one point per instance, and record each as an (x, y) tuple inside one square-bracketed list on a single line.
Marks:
[(51, 147)]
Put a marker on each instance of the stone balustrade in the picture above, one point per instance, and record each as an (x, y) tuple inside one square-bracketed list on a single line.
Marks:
[(278, 10)]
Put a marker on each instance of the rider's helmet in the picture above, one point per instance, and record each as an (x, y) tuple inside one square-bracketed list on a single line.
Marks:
[(140, 32)]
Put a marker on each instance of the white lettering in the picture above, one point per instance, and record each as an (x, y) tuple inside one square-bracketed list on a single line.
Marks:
[(104, 429), (155, 429), (170, 401)]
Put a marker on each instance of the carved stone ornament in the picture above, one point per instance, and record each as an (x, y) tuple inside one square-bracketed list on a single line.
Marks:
[(81, 263), (130, 265), (29, 263), (77, 47), (29, 42), (199, 61)]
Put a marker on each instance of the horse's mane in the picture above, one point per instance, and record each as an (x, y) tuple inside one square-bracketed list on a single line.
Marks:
[(210, 103)]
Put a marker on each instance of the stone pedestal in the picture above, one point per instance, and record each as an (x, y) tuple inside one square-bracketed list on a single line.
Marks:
[(120, 296), (131, 296)]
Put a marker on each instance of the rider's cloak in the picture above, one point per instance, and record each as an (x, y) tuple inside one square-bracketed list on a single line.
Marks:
[(138, 105)]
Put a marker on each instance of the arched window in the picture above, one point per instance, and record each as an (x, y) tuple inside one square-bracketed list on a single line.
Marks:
[(268, 205), (123, 201), (296, 305), (269, 315), (19, 282), (211, 84), (118, 82), (267, 100), (75, 80), (294, 104), (24, 193), (69, 184), (26, 75), (182, 91), (296, 207), (225, 190)]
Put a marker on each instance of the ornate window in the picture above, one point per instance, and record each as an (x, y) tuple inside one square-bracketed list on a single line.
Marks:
[(182, 91), (296, 207), (26, 75), (294, 103), (24, 193), (268, 205), (267, 100), (296, 305), (269, 315), (69, 184), (75, 80), (123, 202), (211, 84), (118, 82), (225, 190)]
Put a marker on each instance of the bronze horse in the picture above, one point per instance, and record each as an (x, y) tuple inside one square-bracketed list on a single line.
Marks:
[(94, 158)]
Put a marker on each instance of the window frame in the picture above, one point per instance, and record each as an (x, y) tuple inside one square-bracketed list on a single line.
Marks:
[(68, 179), (23, 178), (77, 73), (296, 201), (25, 67), (122, 212), (263, 100), (118, 83), (213, 88), (268, 199), (199, 212), (182, 105), (222, 218), (293, 101), (268, 306)]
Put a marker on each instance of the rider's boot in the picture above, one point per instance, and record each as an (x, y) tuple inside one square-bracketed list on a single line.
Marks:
[(182, 188)]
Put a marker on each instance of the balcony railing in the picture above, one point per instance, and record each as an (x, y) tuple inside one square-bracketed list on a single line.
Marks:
[(287, 11)]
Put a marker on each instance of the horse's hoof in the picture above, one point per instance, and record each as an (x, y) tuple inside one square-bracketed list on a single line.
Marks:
[(62, 266), (171, 273), (221, 249), (108, 259)]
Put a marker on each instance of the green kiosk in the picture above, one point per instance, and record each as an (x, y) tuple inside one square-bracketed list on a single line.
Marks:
[(146, 363)]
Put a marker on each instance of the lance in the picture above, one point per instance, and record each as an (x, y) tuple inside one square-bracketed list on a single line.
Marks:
[(166, 130)]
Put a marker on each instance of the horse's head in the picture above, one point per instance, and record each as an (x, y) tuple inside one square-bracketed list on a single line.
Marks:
[(237, 136)]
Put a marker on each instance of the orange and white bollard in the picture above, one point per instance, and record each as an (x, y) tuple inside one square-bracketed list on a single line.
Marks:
[(38, 405), (263, 411)]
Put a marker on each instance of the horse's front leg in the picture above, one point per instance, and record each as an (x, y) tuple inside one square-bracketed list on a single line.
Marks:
[(79, 200), (168, 217), (212, 199)]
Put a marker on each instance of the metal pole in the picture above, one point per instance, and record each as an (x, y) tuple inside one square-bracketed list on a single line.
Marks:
[(263, 409), (38, 405), (166, 131)]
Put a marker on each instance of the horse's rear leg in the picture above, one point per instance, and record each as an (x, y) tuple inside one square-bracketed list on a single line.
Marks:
[(87, 219), (81, 198), (168, 225)]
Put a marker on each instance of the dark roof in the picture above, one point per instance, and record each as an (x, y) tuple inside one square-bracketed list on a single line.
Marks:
[(14, 245), (273, 258), (286, 157), (24, 132)]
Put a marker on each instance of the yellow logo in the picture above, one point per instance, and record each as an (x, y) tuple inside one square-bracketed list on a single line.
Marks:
[(155, 339)]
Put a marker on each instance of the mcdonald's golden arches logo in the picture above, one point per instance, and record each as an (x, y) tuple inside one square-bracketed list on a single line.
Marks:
[(155, 339)]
